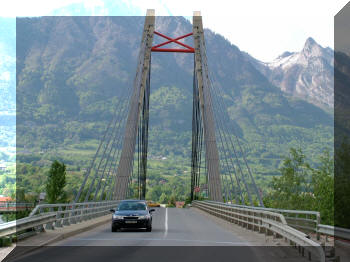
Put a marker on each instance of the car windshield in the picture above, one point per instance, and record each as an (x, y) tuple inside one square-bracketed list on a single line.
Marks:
[(132, 206)]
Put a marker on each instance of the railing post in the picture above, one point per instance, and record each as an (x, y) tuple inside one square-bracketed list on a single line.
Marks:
[(93, 215), (106, 208), (99, 210), (97, 207), (85, 208), (261, 226), (66, 216), (41, 227), (89, 211), (72, 215), (81, 212), (318, 219), (50, 224), (58, 222), (77, 213)]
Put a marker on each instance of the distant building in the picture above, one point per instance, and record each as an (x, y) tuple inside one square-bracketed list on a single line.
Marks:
[(2, 167), (42, 196), (162, 182), (180, 204), (5, 198)]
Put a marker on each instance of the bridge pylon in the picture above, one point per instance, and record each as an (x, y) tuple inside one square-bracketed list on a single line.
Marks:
[(206, 117), (139, 109), (136, 107)]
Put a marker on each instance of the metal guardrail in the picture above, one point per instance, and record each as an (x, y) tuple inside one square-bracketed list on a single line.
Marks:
[(303, 220), (263, 221), (342, 233), (306, 221), (49, 216), (12, 227), (67, 214)]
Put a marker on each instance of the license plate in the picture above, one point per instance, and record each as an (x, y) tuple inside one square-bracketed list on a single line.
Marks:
[(131, 222)]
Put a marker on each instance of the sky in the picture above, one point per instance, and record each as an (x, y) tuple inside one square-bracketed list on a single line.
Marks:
[(264, 29)]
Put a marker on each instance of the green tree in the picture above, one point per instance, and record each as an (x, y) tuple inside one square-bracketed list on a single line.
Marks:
[(292, 189), (323, 188), (303, 187), (20, 195), (342, 184), (172, 201), (56, 182), (163, 198), (154, 193)]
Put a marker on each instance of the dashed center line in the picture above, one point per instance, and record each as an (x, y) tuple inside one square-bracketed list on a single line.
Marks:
[(166, 223)]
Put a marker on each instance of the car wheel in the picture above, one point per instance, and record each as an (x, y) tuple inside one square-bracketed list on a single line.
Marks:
[(114, 229), (149, 229)]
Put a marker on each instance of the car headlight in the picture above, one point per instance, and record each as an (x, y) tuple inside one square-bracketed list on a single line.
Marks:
[(117, 217), (145, 217)]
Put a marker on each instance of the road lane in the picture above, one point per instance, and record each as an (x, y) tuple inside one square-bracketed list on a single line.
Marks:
[(177, 235), (171, 227)]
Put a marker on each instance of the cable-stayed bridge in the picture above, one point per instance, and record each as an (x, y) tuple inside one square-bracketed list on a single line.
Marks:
[(121, 157), (118, 171)]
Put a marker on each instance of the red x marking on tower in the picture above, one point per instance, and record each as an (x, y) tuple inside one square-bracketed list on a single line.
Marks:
[(187, 49)]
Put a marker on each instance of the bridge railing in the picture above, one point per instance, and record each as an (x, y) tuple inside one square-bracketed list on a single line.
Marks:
[(338, 232), (263, 221), (72, 213), (49, 216), (11, 228), (306, 221)]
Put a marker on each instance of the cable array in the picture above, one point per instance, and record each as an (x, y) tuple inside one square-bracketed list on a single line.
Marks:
[(112, 173), (100, 178), (242, 189), (197, 140)]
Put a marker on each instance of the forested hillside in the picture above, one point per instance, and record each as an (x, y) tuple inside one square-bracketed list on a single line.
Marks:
[(71, 72)]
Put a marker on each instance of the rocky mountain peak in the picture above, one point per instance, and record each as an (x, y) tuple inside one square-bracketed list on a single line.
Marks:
[(310, 42), (307, 74), (312, 48)]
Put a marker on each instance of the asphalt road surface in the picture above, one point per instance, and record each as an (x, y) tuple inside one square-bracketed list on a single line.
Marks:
[(177, 235), (171, 227)]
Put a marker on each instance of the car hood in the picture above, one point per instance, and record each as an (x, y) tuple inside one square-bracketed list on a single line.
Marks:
[(131, 213)]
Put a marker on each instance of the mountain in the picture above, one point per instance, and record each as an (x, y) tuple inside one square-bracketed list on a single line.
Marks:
[(72, 71), (307, 74)]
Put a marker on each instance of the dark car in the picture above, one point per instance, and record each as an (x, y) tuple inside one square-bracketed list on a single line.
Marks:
[(132, 214)]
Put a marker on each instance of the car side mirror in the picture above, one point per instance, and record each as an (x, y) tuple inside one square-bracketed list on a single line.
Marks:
[(112, 210), (152, 210)]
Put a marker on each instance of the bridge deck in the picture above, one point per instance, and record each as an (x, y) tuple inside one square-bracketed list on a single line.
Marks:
[(184, 234), (171, 227)]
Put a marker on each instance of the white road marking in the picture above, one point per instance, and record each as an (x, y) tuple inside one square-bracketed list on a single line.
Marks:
[(166, 223)]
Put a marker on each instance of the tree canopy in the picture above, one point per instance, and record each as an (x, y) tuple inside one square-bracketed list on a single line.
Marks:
[(304, 188), (56, 182)]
